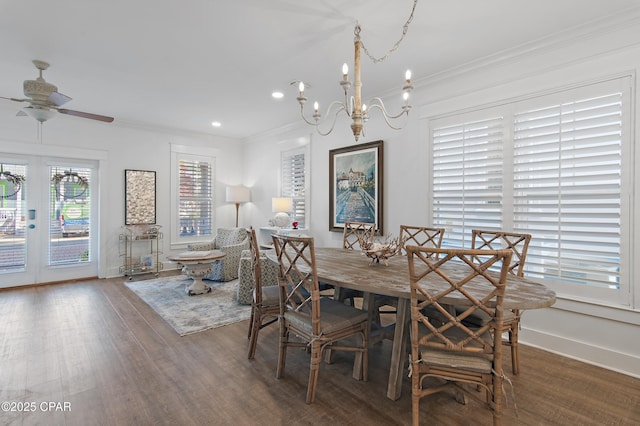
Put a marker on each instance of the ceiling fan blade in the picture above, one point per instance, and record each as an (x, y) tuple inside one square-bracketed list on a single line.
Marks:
[(14, 99), (58, 98), (85, 115), (21, 113)]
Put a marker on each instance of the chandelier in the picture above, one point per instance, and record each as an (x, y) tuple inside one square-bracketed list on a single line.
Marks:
[(352, 104)]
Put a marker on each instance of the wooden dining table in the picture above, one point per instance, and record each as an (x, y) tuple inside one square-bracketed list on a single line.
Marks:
[(351, 269)]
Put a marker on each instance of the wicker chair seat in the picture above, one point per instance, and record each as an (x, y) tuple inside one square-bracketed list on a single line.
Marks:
[(480, 318), (443, 358), (335, 315)]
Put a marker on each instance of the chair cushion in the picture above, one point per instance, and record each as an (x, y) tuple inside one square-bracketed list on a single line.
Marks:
[(481, 363), (446, 359), (480, 318), (334, 315)]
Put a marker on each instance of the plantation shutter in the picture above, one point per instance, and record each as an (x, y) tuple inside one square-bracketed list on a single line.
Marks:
[(293, 183), (567, 188), (195, 194), (467, 178)]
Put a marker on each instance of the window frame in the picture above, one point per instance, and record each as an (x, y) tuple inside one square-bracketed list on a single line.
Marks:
[(508, 108), (179, 153)]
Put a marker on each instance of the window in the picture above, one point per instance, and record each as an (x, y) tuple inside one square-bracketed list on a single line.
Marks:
[(193, 216), (292, 165), (567, 188), (467, 178), (70, 214), (551, 166)]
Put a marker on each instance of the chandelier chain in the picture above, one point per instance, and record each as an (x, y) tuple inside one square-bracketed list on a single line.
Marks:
[(405, 28)]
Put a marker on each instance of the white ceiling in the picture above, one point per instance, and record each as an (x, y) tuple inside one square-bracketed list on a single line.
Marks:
[(183, 64)]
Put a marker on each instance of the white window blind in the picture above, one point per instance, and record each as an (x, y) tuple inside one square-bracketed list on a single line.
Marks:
[(567, 186), (195, 195), (555, 167), (467, 178), (294, 183)]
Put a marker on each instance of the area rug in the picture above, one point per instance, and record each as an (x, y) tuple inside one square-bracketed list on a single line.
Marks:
[(190, 314)]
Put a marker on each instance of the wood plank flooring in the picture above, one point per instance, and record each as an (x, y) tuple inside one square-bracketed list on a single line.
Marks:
[(96, 346)]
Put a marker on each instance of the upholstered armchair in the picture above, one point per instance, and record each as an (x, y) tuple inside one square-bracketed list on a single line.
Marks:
[(231, 241), (269, 270)]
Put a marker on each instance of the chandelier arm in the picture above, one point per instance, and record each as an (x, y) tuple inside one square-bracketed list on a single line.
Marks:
[(316, 123), (380, 106), (387, 117), (333, 124), (311, 123)]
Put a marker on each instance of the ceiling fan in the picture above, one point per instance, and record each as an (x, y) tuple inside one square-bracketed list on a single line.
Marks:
[(45, 100)]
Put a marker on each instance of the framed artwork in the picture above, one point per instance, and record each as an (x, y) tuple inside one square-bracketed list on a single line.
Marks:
[(355, 185), (139, 197)]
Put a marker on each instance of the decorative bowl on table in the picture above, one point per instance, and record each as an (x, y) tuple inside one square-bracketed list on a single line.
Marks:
[(380, 251)]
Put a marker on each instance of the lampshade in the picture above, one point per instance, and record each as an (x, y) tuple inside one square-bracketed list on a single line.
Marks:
[(281, 204), (238, 194)]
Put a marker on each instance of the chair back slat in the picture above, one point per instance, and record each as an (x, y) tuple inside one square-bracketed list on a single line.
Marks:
[(355, 232), (453, 334), (256, 267), (420, 236), (299, 290), (496, 240)]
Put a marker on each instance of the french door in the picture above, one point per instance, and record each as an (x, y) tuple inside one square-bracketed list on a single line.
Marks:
[(47, 219)]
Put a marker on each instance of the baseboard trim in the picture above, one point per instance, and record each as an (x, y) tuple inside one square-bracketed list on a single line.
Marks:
[(594, 355)]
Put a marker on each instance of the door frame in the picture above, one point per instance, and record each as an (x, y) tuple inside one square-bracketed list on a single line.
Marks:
[(46, 156)]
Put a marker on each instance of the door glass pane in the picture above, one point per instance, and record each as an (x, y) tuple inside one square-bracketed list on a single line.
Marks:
[(12, 217), (70, 213)]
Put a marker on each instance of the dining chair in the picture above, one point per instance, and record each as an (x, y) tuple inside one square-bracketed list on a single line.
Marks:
[(456, 355), (420, 236), (309, 320), (353, 234), (518, 244), (265, 306)]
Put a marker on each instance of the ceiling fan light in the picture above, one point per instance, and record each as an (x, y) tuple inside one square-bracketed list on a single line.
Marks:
[(40, 114)]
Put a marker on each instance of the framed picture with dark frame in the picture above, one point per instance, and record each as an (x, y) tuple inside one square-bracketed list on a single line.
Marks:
[(355, 185), (139, 197)]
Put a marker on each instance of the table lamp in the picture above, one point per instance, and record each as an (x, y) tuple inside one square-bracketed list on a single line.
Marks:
[(237, 194), (281, 206)]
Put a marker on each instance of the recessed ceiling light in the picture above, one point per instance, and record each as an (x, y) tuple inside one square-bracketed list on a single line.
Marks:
[(277, 95), (216, 124)]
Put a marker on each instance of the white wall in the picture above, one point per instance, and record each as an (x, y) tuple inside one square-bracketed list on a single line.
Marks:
[(127, 147), (603, 335)]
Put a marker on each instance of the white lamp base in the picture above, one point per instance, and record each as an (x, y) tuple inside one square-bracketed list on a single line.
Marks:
[(281, 220)]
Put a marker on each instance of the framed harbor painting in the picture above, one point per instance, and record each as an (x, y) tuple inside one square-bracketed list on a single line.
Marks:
[(355, 185), (139, 197)]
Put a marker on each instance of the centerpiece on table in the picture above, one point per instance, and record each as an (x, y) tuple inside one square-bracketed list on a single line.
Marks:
[(379, 251)]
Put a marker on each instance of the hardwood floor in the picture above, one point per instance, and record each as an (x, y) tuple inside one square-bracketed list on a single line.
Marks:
[(97, 347)]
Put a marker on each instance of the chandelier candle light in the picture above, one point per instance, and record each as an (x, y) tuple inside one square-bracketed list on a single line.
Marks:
[(352, 105)]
